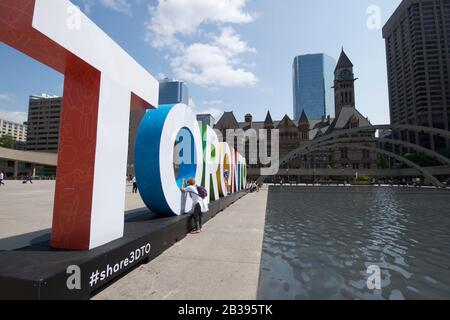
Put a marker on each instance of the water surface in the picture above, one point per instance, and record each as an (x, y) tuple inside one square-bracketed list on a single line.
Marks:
[(319, 243)]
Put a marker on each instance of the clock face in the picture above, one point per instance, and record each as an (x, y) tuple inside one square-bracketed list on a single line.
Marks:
[(346, 74)]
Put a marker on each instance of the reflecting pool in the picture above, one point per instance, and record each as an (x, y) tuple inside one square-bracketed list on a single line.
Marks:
[(329, 242)]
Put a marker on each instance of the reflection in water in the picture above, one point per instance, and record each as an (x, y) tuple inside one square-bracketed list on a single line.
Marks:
[(319, 243)]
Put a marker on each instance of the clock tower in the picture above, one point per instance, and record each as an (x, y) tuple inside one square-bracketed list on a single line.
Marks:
[(344, 84)]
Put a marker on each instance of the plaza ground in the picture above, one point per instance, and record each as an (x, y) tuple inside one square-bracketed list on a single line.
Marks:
[(26, 208), (221, 263)]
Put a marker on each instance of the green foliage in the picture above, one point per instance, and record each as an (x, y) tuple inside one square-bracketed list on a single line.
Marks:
[(445, 152), (363, 179), (422, 160), (383, 162), (7, 141)]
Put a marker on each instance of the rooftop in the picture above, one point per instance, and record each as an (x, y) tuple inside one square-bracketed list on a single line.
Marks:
[(344, 61), (43, 96)]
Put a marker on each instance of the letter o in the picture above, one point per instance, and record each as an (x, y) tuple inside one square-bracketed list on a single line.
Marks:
[(155, 145)]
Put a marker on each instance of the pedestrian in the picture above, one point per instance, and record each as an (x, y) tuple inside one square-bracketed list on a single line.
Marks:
[(199, 205), (2, 177), (419, 182), (135, 186), (28, 179)]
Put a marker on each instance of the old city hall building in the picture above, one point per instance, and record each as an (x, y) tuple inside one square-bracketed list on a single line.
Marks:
[(293, 134)]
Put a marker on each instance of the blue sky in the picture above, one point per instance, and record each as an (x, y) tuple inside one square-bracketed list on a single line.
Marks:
[(236, 55)]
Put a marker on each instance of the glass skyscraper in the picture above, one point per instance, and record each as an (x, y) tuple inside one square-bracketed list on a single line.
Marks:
[(313, 76), (173, 91)]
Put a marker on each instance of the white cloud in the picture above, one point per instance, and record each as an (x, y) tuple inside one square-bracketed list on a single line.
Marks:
[(214, 63), (161, 75), (6, 97), (8, 100), (172, 17), (192, 103), (231, 43), (216, 113), (122, 6), (19, 117), (212, 102)]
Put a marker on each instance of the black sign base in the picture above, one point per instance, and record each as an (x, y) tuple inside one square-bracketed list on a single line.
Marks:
[(31, 269)]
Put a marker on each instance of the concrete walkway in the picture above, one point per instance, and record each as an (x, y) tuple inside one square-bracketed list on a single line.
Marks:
[(221, 263), (28, 208)]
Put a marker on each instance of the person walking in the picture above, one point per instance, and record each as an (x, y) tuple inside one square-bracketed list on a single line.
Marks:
[(2, 177), (199, 204), (135, 187)]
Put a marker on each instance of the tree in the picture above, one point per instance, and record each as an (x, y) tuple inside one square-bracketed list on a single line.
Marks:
[(445, 152), (383, 162), (7, 141), (422, 159)]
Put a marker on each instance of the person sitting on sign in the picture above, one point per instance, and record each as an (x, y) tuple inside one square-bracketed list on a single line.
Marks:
[(198, 195), (226, 176)]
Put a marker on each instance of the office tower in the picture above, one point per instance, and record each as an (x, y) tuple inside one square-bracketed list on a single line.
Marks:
[(207, 119), (173, 91), (136, 117), (16, 130), (312, 86), (170, 92), (43, 123), (417, 39)]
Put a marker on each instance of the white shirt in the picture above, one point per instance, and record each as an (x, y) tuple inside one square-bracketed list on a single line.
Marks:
[(2, 176), (196, 199)]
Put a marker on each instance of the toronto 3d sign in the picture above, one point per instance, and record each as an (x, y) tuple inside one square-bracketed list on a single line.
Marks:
[(102, 82)]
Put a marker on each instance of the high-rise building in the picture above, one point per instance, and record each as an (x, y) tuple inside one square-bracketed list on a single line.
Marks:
[(312, 85), (16, 130), (44, 114), (173, 91), (207, 119), (136, 117), (170, 92), (417, 39)]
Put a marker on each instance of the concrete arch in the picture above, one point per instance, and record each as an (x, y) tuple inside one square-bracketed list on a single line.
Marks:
[(428, 152), (424, 172), (327, 140), (434, 131)]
